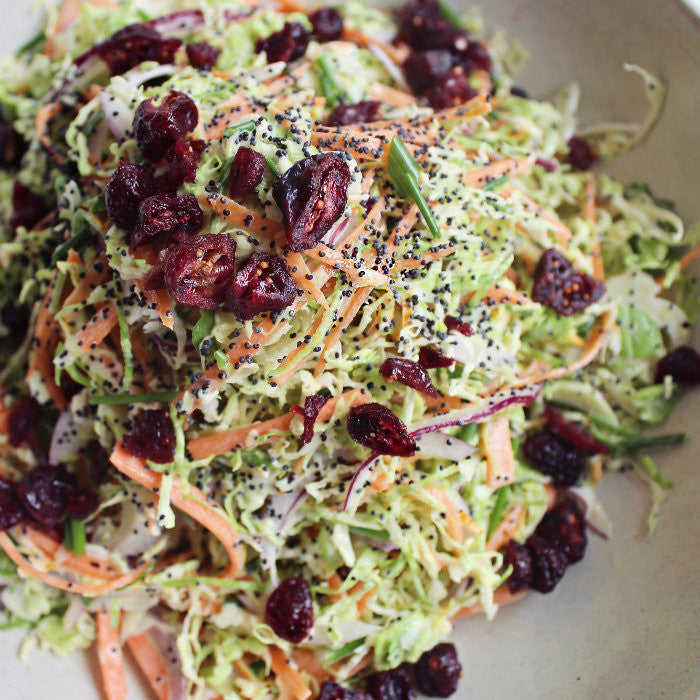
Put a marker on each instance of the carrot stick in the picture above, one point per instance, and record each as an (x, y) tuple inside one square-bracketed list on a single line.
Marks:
[(291, 362), (505, 529), (561, 230), (41, 124), (110, 657), (508, 166), (361, 276), (690, 256), (304, 279), (453, 521), (159, 300), (150, 661), (425, 258), (287, 675), (395, 53), (241, 216), (498, 448), (98, 327), (190, 500), (307, 661), (390, 95), (590, 214), (501, 596)]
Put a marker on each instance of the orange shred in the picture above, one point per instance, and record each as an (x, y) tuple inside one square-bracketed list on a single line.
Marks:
[(362, 276), (398, 54), (501, 596), (304, 279), (498, 449), (453, 521), (390, 95), (150, 661), (425, 258), (98, 327), (241, 216), (159, 300), (590, 214), (289, 362), (505, 529), (41, 124), (288, 677), (307, 661), (561, 230), (110, 656), (508, 166)]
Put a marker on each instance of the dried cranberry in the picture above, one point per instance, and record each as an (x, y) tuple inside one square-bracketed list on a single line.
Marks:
[(377, 427), (358, 113), (202, 55), (157, 128), (289, 610), (82, 504), (312, 194), (165, 214), (422, 27), (45, 493), (11, 509), (548, 564), (152, 437), (24, 417), (437, 671), (330, 690), (15, 319), (125, 190), (312, 407), (408, 373), (327, 24), (454, 324), (449, 90), (12, 147), (572, 433), (561, 287), (183, 157), (682, 364), (246, 172), (262, 283), (155, 279), (551, 455), (581, 155), (518, 556), (198, 271), (28, 208), (422, 68), (288, 44), (430, 357), (131, 46), (565, 528), (476, 57), (390, 685)]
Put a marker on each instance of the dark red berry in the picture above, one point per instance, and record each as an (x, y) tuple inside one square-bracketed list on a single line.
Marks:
[(45, 493), (408, 373), (327, 24), (165, 214), (454, 324), (246, 173), (152, 437), (422, 27), (28, 208), (288, 44), (476, 57), (390, 685), (430, 357), (330, 690), (157, 128), (15, 319), (131, 46), (24, 417), (82, 504), (125, 190), (183, 157), (561, 287), (202, 55), (289, 610), (518, 556), (11, 509), (312, 194), (450, 89), (552, 456), (437, 671), (377, 427), (312, 407), (12, 147), (262, 283), (423, 68), (548, 564), (199, 270), (682, 364), (572, 433), (581, 155), (565, 528), (358, 113), (155, 279)]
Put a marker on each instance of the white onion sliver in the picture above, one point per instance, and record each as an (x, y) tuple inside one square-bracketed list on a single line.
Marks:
[(445, 446), (391, 67), (68, 437), (137, 77), (117, 115), (596, 517), (177, 23)]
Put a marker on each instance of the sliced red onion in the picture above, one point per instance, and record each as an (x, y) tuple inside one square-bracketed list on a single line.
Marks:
[(167, 646), (292, 516), (177, 24), (167, 346), (133, 536), (117, 115), (268, 557), (252, 605), (96, 142), (391, 68), (262, 73), (549, 164), (381, 545), (444, 446), (596, 517), (333, 236), (356, 477), (69, 436)]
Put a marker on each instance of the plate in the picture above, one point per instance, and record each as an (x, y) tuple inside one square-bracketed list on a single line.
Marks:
[(624, 622)]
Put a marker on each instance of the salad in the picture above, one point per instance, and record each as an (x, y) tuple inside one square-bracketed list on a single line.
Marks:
[(317, 334)]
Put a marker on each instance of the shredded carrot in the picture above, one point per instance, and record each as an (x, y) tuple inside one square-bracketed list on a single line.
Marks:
[(365, 149), (498, 448), (503, 295), (41, 124), (381, 483), (390, 95), (307, 661), (505, 529), (241, 216), (304, 279), (561, 230), (243, 668), (159, 300), (335, 583), (110, 656), (425, 258), (453, 521), (365, 661), (501, 596), (363, 602), (287, 675), (398, 54), (689, 257), (188, 499), (150, 661), (590, 214), (508, 166), (442, 403), (291, 363), (368, 179), (98, 327), (373, 218), (362, 276)]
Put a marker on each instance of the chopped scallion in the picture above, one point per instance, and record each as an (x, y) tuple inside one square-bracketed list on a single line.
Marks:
[(202, 328)]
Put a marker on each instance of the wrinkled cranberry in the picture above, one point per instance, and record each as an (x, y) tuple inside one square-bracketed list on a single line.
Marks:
[(518, 556), (476, 57), (377, 427), (28, 208), (390, 685), (581, 155), (358, 113), (422, 68), (131, 46), (198, 271), (11, 509), (549, 164), (422, 27), (572, 433), (548, 564), (289, 610), (408, 373), (152, 437), (327, 24), (682, 364), (312, 407), (246, 172), (430, 357), (15, 319), (330, 690), (262, 283), (450, 89), (158, 128), (437, 671), (125, 190), (561, 287), (202, 55), (312, 194), (11, 147), (82, 504), (183, 157), (288, 44), (45, 493), (551, 455), (565, 528), (155, 279), (165, 214), (24, 417), (454, 324)]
